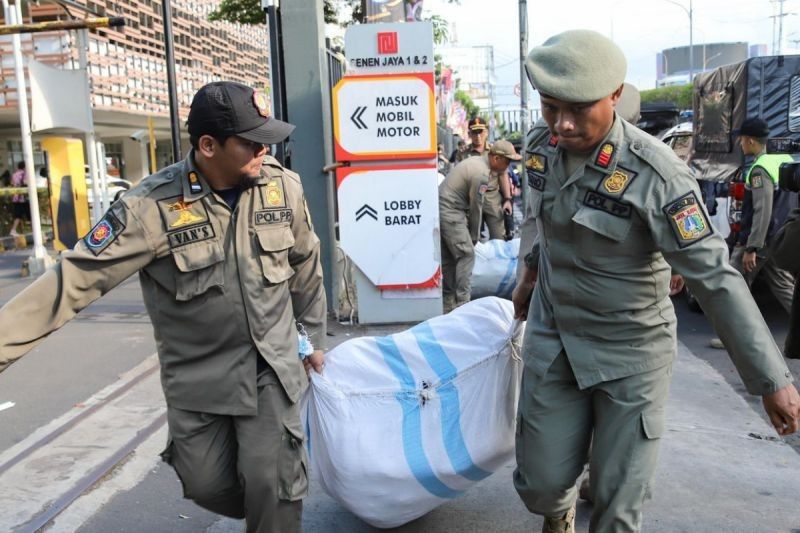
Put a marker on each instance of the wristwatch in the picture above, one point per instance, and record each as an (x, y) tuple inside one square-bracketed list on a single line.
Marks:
[(506, 200), (751, 249)]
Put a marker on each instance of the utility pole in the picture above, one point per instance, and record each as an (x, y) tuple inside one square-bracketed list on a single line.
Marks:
[(276, 70), (523, 81), (169, 52)]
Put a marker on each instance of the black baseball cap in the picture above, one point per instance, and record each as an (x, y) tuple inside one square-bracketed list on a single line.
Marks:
[(227, 108), (755, 127)]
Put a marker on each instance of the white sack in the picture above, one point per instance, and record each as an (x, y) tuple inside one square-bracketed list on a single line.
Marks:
[(399, 425), (495, 270)]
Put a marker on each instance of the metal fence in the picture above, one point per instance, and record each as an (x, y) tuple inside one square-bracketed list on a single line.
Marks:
[(511, 119)]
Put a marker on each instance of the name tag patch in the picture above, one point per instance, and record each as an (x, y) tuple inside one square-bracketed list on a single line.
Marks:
[(535, 181), (273, 216), (190, 235), (103, 233), (688, 220), (611, 206)]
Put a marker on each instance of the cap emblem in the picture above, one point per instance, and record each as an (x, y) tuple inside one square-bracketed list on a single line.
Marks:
[(260, 101)]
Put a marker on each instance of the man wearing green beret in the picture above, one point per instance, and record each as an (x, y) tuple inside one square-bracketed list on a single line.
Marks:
[(615, 211)]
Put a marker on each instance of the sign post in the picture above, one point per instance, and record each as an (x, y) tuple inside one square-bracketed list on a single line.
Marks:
[(384, 122)]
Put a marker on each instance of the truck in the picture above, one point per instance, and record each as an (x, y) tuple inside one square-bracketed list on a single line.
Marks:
[(767, 87)]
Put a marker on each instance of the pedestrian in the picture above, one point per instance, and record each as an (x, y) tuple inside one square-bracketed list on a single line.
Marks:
[(478, 136), (20, 206), (764, 211), (229, 264), (461, 147), (784, 248), (442, 164), (614, 209), (469, 196)]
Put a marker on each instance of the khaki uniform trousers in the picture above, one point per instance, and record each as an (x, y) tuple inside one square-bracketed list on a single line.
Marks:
[(493, 214), (623, 420), (251, 467), (781, 282), (458, 259)]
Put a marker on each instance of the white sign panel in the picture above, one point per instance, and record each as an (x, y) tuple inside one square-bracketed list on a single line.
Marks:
[(384, 117), (389, 223), (385, 48)]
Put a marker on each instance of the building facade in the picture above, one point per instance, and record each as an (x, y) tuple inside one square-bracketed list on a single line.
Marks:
[(128, 76)]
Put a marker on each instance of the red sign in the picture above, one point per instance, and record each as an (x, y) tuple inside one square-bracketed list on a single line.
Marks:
[(387, 42)]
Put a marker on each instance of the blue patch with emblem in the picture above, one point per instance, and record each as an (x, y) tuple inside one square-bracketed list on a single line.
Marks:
[(104, 233)]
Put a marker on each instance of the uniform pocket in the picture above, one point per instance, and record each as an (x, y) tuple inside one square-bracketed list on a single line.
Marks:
[(292, 465), (200, 267), (275, 244), (653, 424), (613, 227)]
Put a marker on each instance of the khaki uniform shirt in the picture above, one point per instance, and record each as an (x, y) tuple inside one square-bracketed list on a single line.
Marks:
[(471, 152), (471, 188), (607, 235), (222, 287), (761, 190)]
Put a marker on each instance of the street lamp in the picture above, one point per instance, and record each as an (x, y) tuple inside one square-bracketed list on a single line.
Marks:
[(691, 36)]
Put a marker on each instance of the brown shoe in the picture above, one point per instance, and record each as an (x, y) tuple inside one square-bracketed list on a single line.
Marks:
[(565, 524)]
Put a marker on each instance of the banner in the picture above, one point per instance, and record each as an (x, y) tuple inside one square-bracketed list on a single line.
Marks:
[(59, 98)]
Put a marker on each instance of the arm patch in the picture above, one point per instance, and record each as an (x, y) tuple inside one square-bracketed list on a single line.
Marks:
[(104, 233), (688, 220)]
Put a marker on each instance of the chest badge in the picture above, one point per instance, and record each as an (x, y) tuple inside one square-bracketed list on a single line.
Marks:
[(616, 182), (274, 194), (537, 163), (185, 217)]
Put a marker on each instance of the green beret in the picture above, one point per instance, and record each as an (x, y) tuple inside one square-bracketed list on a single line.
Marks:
[(576, 66)]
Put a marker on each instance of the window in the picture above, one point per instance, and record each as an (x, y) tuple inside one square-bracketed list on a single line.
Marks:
[(794, 104)]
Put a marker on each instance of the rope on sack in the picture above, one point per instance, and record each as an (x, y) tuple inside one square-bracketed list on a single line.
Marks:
[(513, 344)]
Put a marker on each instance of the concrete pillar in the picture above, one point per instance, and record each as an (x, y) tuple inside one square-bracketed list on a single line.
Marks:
[(309, 108)]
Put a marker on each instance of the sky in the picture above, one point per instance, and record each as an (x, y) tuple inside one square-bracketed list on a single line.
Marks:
[(642, 28)]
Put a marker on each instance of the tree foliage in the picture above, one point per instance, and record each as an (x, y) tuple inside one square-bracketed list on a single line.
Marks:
[(465, 100), (680, 95)]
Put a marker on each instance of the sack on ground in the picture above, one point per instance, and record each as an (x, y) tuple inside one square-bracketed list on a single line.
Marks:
[(495, 270), (399, 425)]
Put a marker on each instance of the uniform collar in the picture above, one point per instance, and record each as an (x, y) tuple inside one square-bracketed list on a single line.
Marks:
[(194, 184)]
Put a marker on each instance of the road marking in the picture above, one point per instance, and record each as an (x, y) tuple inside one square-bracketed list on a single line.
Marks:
[(6, 405), (46, 472)]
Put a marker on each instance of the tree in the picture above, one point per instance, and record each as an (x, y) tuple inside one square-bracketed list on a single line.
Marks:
[(250, 12)]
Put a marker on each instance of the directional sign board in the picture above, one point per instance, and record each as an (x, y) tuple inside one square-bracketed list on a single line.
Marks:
[(389, 116), (389, 48), (389, 223)]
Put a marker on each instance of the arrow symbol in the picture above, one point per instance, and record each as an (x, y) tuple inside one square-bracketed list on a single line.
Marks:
[(366, 210), (356, 117)]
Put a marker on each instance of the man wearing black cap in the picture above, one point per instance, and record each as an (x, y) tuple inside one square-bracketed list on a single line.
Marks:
[(228, 263), (765, 209), (478, 136)]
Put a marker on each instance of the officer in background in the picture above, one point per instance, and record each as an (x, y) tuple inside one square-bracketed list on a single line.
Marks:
[(478, 136), (784, 253), (764, 211), (614, 208), (469, 196), (228, 263)]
